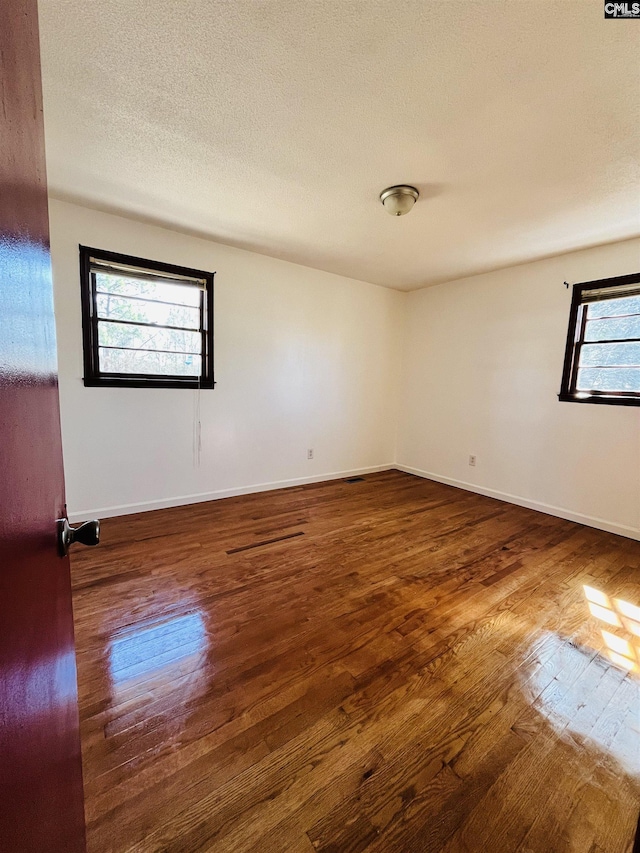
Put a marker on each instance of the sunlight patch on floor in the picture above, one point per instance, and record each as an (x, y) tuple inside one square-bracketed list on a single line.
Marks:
[(622, 647)]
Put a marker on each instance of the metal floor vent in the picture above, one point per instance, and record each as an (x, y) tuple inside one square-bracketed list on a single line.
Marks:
[(354, 480)]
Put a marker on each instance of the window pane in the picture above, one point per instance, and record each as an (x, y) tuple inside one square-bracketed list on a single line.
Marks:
[(612, 379), (182, 294), (619, 329), (143, 337), (614, 307), (135, 310), (614, 354), (152, 363)]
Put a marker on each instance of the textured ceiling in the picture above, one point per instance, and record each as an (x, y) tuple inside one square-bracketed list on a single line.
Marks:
[(274, 126)]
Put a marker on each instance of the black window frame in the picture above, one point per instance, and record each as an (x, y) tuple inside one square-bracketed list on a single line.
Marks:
[(575, 340), (93, 377)]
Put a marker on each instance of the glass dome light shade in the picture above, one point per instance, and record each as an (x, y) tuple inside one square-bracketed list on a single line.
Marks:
[(399, 200)]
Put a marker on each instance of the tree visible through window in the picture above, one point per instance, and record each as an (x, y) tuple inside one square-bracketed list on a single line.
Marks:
[(145, 323), (602, 359)]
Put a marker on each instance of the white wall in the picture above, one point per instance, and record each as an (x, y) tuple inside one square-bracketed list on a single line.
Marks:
[(303, 359), (308, 359), (482, 364)]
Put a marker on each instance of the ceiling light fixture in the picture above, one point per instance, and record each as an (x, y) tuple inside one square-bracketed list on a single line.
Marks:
[(399, 200)]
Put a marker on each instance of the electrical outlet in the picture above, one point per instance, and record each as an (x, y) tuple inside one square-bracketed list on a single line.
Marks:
[(472, 461), (310, 453)]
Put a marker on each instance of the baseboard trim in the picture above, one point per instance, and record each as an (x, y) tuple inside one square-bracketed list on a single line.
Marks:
[(538, 506), (202, 497)]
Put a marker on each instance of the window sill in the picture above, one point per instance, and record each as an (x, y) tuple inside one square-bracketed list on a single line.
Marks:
[(600, 399), (121, 382)]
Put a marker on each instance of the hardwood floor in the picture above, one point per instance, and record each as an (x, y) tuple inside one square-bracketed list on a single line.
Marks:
[(384, 665)]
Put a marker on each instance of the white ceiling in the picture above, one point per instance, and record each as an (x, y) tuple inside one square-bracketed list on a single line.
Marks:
[(274, 124)]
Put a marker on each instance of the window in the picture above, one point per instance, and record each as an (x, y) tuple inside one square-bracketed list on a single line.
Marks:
[(145, 324), (602, 359)]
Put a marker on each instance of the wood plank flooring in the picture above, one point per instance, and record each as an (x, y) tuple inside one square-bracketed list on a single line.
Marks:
[(384, 665)]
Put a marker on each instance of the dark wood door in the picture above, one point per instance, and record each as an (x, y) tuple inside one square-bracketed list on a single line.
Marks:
[(41, 805)]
